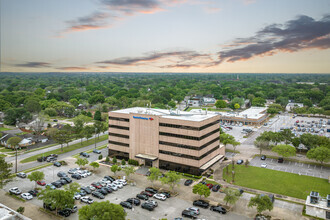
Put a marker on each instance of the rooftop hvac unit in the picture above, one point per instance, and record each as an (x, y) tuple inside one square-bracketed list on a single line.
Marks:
[(314, 196)]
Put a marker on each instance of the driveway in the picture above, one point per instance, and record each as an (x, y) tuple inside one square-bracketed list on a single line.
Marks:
[(293, 167)]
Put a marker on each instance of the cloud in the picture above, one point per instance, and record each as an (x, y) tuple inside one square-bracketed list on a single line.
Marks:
[(72, 68), (298, 34), (129, 7), (211, 10), (33, 64)]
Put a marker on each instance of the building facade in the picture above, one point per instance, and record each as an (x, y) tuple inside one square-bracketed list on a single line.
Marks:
[(180, 141)]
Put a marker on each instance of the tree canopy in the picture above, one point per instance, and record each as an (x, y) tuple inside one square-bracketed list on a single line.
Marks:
[(284, 150), (102, 211), (201, 190), (262, 203)]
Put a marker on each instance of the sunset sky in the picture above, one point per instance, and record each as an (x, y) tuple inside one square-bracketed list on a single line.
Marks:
[(207, 36)]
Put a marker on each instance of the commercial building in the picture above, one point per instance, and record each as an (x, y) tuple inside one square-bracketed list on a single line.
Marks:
[(181, 141), (317, 206)]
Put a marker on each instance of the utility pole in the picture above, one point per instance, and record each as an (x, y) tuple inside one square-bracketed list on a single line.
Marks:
[(16, 160)]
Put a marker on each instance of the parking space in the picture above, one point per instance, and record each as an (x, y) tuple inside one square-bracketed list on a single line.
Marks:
[(293, 167)]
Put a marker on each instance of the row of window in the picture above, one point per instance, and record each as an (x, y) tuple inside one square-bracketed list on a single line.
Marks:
[(118, 143), (189, 137), (189, 127), (189, 156), (119, 127), (188, 146), (118, 119), (119, 135)]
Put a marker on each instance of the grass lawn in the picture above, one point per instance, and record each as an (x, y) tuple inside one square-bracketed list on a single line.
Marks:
[(66, 149), (90, 151), (4, 129), (278, 182), (3, 149)]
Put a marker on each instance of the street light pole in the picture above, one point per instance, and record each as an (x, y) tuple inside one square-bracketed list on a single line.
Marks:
[(16, 160), (95, 138)]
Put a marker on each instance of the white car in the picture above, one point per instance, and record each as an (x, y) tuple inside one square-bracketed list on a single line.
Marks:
[(15, 191), (87, 200), (27, 196), (194, 210), (264, 165), (154, 203), (88, 173), (113, 186), (92, 188), (160, 196), (84, 175), (77, 196), (118, 184), (123, 182)]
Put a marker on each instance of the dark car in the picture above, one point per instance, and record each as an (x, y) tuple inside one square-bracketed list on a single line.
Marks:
[(126, 205), (62, 181), (188, 182), (57, 164), (239, 162), (241, 191), (65, 212), (34, 193), (49, 207), (143, 197), (98, 195), (41, 159), (84, 154), (147, 206), (167, 194), (215, 188), (108, 189), (67, 179), (22, 175), (201, 203), (151, 190), (57, 184), (76, 176), (263, 157), (136, 201), (280, 160), (61, 174), (103, 191), (82, 193), (110, 178), (87, 190), (203, 182), (189, 214), (51, 159), (96, 151), (219, 209), (146, 193)]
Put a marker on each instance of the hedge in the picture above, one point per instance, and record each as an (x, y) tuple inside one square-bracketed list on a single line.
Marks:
[(133, 162)]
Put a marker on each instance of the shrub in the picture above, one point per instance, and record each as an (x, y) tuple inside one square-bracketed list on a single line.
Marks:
[(100, 157), (107, 159), (20, 210), (123, 162), (133, 162), (114, 160), (63, 162)]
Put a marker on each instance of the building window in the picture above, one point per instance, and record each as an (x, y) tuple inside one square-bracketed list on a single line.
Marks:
[(189, 156), (189, 137), (189, 127), (188, 146), (119, 127), (118, 143), (118, 119), (119, 135)]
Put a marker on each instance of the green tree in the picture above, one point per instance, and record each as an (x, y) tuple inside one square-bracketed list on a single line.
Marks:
[(262, 145), (262, 203), (220, 104), (309, 140), (5, 172), (226, 139), (237, 106), (201, 190), (61, 137), (14, 141), (114, 160), (171, 178), (74, 102), (36, 176), (98, 125), (88, 132), (94, 165), (171, 104), (81, 162), (102, 211), (115, 168), (287, 135), (128, 170), (32, 105), (154, 174), (123, 162), (97, 116), (284, 150), (232, 195), (258, 101), (73, 187), (321, 154)]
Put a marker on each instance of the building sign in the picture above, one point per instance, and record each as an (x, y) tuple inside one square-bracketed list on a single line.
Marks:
[(138, 117)]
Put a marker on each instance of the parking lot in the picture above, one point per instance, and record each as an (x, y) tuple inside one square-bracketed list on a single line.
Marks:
[(169, 209), (293, 167)]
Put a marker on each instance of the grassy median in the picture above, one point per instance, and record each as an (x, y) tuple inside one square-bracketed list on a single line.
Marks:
[(278, 182), (66, 149)]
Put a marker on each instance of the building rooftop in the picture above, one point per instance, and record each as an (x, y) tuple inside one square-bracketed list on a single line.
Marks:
[(251, 113), (199, 115)]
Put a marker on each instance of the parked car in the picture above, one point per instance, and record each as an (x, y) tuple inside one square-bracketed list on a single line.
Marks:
[(189, 214), (280, 160), (65, 212), (96, 151), (240, 162), (61, 174), (209, 185), (49, 207), (62, 181), (87, 190), (151, 190), (147, 206), (114, 187), (108, 189), (97, 185), (57, 184), (126, 204), (51, 159), (201, 203), (136, 201), (263, 165), (21, 174), (154, 203), (188, 182), (143, 197), (76, 176), (15, 190), (263, 157), (87, 200), (74, 209), (109, 178), (57, 164), (98, 195), (160, 196), (146, 193), (167, 194), (73, 170), (219, 209), (216, 188), (33, 192), (194, 209), (84, 154), (77, 196), (27, 196), (67, 179), (41, 182), (51, 186), (103, 191)]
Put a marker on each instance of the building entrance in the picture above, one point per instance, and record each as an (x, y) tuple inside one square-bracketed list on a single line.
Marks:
[(148, 163)]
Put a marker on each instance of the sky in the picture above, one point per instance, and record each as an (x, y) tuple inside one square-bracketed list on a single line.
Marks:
[(200, 36)]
